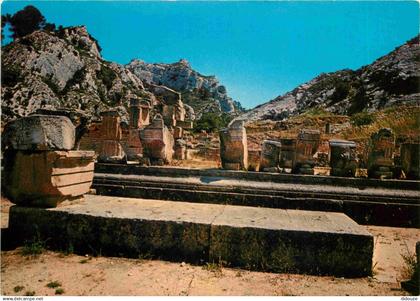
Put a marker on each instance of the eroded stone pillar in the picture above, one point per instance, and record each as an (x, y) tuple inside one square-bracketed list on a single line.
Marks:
[(157, 141), (270, 156), (180, 149), (306, 146), (343, 158), (381, 155), (111, 149), (288, 153), (410, 162), (234, 146)]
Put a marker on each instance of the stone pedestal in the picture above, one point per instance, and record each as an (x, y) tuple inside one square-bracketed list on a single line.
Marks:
[(254, 158), (39, 132), (270, 155), (139, 113), (410, 153), (111, 149), (381, 155), (306, 146), (46, 178), (343, 158), (234, 146), (288, 153), (180, 149), (157, 141), (39, 167), (178, 131)]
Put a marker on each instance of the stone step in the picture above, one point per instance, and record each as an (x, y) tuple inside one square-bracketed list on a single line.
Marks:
[(369, 206), (264, 239), (178, 172)]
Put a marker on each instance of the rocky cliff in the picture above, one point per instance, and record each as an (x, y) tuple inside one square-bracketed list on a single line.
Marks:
[(391, 80), (62, 69), (202, 93)]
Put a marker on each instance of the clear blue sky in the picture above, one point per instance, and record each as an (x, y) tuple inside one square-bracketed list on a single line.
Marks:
[(258, 50)]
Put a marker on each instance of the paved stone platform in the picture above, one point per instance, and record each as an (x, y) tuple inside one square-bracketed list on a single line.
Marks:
[(310, 242), (366, 205)]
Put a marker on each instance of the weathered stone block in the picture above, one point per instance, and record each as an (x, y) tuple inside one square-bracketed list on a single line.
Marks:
[(381, 155), (48, 177), (112, 152), (139, 113), (291, 241), (270, 154), (110, 126), (288, 153), (178, 131), (180, 149), (39, 132), (234, 146), (410, 153), (185, 124), (256, 238), (343, 158), (157, 140)]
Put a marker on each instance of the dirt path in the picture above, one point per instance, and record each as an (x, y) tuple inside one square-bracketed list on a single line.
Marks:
[(85, 275)]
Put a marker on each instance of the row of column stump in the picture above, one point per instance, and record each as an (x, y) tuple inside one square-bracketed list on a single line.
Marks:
[(297, 154)]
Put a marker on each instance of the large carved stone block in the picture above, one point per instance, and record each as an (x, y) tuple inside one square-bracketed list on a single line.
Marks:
[(270, 155), (139, 113), (111, 133), (306, 146), (234, 146), (288, 153), (39, 132), (410, 153), (110, 126), (45, 178), (343, 158), (157, 141), (180, 149), (381, 155)]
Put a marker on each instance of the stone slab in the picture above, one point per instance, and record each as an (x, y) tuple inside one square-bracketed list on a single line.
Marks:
[(317, 242), (309, 242), (39, 132), (45, 178)]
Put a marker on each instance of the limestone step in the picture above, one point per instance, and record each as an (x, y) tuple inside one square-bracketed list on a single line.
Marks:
[(265, 239), (374, 206), (360, 183)]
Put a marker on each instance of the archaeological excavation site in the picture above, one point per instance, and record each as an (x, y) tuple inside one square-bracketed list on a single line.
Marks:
[(149, 179)]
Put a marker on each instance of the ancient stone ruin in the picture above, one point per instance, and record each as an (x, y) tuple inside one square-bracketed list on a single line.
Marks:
[(40, 167), (381, 155), (306, 146), (270, 156), (343, 158), (157, 141), (139, 118), (288, 153), (410, 162), (111, 149), (234, 146)]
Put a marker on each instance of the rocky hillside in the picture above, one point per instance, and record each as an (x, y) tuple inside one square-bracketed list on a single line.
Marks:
[(393, 79), (62, 69), (202, 93)]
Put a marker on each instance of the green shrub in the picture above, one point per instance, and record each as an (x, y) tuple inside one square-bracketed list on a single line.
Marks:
[(211, 122), (362, 118), (107, 75)]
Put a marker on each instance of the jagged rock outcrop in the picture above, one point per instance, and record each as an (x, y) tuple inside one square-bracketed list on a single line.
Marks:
[(62, 69), (202, 93), (391, 80)]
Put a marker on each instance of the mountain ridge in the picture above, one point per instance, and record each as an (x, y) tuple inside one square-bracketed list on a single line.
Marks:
[(390, 80)]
